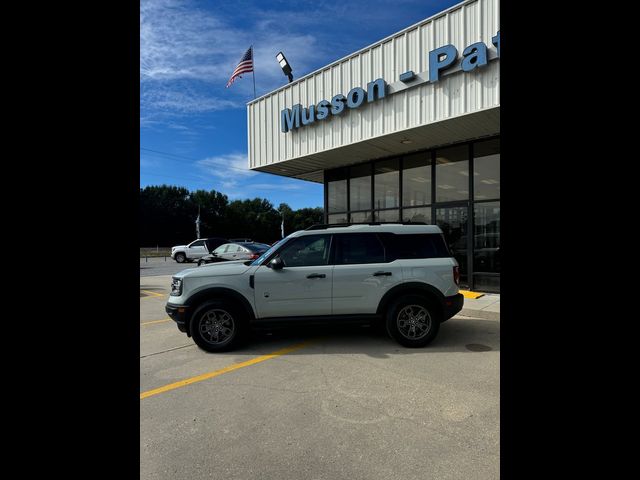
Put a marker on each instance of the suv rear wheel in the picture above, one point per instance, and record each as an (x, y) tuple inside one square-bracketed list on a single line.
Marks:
[(216, 326), (412, 321), (180, 257)]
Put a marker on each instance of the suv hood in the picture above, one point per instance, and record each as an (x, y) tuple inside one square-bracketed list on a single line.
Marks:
[(178, 246), (236, 267)]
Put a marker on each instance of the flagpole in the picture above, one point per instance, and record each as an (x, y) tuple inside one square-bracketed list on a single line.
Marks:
[(253, 71)]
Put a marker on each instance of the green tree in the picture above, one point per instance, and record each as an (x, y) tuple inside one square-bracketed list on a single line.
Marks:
[(168, 214)]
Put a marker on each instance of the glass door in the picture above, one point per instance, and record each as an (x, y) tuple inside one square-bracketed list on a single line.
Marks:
[(454, 221)]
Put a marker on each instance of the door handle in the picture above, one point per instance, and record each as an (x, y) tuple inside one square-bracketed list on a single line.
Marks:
[(382, 274), (317, 275)]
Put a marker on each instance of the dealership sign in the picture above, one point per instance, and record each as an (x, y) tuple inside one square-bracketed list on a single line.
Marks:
[(442, 60)]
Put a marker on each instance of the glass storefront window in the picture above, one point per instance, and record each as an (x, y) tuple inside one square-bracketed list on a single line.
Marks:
[(447, 184), (337, 195), (452, 174), (486, 163), (360, 187), (422, 214), (361, 217), (486, 282), (388, 216), (416, 179), (387, 184), (337, 218), (454, 225), (486, 239)]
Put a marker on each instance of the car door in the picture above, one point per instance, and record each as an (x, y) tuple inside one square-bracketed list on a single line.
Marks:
[(236, 252), (303, 286), (196, 249), (218, 253), (361, 274)]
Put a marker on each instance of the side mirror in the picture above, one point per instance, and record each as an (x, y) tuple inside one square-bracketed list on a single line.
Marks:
[(276, 263)]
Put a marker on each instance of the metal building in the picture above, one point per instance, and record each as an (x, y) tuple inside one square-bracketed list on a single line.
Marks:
[(406, 129)]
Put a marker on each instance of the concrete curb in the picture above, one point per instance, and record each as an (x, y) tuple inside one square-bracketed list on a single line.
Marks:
[(480, 314)]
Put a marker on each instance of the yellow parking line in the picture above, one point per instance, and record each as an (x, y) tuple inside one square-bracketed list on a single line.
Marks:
[(154, 294), (156, 321), (470, 294), (231, 368)]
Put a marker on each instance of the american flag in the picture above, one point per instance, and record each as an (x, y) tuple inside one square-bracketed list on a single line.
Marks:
[(245, 66)]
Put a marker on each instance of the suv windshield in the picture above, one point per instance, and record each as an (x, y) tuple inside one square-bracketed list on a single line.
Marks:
[(261, 258)]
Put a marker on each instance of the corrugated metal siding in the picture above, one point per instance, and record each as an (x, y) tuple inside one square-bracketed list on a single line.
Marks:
[(456, 94)]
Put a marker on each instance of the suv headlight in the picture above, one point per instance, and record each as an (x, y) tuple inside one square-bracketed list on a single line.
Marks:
[(176, 286)]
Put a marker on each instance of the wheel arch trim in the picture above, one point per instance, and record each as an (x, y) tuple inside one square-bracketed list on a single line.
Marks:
[(217, 293), (411, 288)]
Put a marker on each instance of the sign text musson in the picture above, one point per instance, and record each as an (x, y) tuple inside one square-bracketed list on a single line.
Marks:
[(474, 56)]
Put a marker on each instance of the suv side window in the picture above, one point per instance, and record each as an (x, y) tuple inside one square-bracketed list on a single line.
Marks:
[(414, 246), (358, 248), (199, 243), (307, 251)]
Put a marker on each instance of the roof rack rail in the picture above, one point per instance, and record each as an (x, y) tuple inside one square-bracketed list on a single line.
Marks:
[(324, 226)]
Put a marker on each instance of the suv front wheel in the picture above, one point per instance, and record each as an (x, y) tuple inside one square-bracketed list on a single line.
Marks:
[(180, 257), (216, 326), (412, 321)]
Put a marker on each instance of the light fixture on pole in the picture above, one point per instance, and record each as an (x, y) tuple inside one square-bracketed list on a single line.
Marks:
[(286, 68)]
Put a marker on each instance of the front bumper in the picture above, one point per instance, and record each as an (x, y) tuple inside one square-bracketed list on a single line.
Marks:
[(451, 306), (178, 313)]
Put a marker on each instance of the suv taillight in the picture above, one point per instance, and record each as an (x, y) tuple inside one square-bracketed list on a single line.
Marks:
[(456, 275), (254, 256)]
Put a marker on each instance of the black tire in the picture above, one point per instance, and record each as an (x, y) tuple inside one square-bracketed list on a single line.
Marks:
[(180, 257), (201, 262), (413, 321), (214, 319)]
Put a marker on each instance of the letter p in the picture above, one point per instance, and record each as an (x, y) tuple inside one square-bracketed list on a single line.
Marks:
[(439, 59)]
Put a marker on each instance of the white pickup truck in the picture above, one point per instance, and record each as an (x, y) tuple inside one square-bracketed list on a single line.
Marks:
[(196, 249)]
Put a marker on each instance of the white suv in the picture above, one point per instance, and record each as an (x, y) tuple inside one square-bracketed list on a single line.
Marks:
[(402, 274)]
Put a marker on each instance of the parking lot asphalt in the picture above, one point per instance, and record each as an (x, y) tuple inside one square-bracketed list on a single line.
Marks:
[(337, 404), (154, 266)]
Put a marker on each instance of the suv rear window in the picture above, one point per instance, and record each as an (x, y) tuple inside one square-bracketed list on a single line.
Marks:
[(415, 245), (358, 248)]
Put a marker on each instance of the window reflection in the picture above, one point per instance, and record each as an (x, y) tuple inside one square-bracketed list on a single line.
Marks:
[(453, 222), (388, 216), (486, 162), (337, 196), (360, 187), (416, 179), (422, 214), (387, 184), (419, 186), (361, 217), (337, 218), (486, 239), (452, 174)]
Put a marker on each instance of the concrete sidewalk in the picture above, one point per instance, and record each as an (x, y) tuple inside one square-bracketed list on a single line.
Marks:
[(487, 307)]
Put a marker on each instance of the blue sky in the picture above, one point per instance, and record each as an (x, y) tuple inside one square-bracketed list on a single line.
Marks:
[(193, 130)]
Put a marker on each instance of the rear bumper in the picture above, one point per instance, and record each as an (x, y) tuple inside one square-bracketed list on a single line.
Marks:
[(178, 313), (451, 306)]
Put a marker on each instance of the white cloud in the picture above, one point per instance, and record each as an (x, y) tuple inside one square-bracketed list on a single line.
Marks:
[(276, 186), (180, 43), (227, 167)]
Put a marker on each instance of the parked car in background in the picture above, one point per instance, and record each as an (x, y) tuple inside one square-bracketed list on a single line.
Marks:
[(196, 249), (235, 251)]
